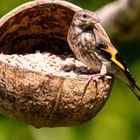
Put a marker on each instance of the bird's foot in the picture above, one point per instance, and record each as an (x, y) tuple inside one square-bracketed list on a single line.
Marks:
[(97, 76), (94, 77)]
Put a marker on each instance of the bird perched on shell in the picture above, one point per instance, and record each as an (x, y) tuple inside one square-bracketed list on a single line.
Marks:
[(91, 45)]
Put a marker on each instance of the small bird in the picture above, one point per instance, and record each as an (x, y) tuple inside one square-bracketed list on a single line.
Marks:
[(91, 45)]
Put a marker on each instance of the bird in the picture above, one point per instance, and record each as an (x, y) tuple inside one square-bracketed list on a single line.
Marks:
[(92, 46)]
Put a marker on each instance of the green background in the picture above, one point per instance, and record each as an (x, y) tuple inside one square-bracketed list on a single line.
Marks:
[(118, 120)]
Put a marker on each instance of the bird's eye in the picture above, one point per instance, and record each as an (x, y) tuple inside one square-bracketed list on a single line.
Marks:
[(84, 16)]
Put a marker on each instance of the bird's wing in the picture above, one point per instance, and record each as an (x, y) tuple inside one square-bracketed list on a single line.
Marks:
[(114, 57), (117, 60)]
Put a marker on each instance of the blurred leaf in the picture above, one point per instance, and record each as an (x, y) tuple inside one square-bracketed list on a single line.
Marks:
[(90, 4), (7, 5)]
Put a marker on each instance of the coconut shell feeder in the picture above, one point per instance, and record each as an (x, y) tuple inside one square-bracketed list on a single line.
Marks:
[(41, 81)]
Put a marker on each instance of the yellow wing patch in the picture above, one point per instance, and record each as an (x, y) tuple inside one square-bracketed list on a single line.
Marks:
[(113, 52), (117, 63)]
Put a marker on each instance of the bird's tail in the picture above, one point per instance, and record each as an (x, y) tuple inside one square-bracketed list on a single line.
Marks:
[(135, 89), (129, 80), (132, 85)]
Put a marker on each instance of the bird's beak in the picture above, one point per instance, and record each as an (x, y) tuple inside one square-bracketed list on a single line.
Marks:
[(93, 22)]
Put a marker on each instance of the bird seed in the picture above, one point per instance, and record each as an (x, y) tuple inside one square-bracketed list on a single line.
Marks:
[(47, 63)]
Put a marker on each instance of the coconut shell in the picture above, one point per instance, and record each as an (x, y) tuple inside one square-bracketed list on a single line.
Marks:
[(36, 98)]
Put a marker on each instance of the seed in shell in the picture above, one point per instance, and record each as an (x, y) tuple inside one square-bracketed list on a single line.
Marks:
[(47, 63)]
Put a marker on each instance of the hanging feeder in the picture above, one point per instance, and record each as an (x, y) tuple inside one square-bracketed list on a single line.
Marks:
[(41, 81)]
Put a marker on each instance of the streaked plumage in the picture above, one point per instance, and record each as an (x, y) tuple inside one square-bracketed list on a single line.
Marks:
[(91, 45)]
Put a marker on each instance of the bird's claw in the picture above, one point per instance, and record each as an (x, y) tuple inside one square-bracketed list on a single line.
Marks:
[(94, 77), (97, 76)]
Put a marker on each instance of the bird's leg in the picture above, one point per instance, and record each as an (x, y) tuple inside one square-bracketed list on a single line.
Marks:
[(97, 76), (102, 73)]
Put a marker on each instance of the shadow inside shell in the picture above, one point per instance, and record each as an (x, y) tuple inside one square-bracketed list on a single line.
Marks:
[(42, 28)]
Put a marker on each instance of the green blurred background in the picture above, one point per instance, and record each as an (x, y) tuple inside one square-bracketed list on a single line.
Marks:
[(118, 120)]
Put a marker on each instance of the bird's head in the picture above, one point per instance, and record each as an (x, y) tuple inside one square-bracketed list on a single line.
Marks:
[(85, 19)]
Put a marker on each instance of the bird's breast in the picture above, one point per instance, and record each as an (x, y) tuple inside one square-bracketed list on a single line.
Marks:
[(85, 51)]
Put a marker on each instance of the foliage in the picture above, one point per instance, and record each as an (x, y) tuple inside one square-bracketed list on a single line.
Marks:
[(118, 120)]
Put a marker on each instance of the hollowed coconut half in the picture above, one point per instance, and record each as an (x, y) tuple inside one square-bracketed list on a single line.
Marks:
[(41, 81)]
